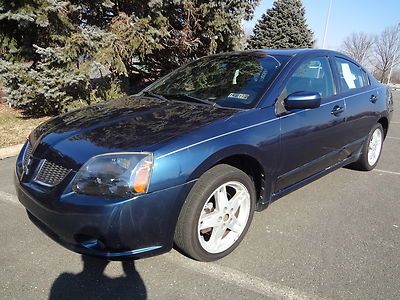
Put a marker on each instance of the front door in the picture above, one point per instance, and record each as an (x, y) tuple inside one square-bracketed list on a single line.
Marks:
[(311, 139)]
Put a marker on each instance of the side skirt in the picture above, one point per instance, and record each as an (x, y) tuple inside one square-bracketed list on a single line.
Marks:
[(300, 184)]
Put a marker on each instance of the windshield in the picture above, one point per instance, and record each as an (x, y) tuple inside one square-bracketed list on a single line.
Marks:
[(232, 80)]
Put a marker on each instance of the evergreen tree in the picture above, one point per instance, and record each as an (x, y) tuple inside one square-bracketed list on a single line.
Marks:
[(44, 53), (282, 26), (55, 53), (170, 33)]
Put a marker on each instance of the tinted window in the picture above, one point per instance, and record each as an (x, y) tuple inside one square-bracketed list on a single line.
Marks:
[(350, 75), (229, 80), (314, 75)]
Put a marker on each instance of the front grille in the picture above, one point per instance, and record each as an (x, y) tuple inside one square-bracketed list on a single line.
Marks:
[(50, 174), (27, 156)]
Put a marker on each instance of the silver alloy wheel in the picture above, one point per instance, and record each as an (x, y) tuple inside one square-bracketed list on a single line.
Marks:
[(375, 146), (224, 217)]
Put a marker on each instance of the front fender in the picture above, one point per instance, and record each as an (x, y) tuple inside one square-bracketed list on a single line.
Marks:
[(223, 154), (258, 136)]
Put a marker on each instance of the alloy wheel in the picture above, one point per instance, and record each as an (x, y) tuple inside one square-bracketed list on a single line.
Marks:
[(224, 217), (375, 146)]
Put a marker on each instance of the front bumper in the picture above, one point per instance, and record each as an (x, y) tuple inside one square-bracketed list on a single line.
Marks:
[(135, 228)]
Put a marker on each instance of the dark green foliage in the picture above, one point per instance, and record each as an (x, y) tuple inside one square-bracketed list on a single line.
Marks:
[(45, 57), (55, 54), (162, 35), (282, 26)]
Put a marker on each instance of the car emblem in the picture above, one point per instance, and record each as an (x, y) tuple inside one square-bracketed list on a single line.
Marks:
[(28, 164)]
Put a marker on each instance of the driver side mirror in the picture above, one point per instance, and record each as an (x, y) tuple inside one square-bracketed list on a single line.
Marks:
[(303, 100)]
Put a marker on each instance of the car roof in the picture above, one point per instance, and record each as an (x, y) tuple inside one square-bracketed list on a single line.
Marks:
[(286, 52), (297, 51)]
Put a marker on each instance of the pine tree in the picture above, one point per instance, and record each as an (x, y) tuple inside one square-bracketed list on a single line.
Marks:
[(57, 53), (170, 33), (43, 55), (282, 26)]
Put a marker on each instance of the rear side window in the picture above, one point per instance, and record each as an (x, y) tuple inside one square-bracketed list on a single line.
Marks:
[(366, 78), (314, 75), (350, 75)]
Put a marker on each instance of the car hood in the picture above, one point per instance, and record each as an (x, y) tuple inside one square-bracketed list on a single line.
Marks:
[(129, 124)]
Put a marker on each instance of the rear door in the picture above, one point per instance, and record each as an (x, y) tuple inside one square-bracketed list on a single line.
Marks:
[(360, 98), (311, 139)]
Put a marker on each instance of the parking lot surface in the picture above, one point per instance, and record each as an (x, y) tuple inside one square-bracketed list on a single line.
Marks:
[(337, 238)]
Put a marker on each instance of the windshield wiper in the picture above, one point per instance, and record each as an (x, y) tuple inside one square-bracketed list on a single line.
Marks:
[(192, 98), (154, 95)]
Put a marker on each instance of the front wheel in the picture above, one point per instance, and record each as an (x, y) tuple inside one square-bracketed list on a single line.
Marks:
[(217, 214), (372, 149)]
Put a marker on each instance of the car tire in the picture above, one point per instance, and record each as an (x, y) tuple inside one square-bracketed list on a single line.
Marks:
[(213, 221), (371, 150)]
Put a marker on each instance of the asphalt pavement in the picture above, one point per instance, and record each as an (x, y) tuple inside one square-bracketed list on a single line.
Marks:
[(337, 238)]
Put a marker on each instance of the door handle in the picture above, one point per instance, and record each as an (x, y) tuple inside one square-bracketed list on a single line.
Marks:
[(373, 98), (337, 110)]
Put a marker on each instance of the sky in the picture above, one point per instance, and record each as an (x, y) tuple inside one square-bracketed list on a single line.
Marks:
[(347, 16)]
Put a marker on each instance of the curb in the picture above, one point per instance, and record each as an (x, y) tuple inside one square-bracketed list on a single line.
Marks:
[(10, 151)]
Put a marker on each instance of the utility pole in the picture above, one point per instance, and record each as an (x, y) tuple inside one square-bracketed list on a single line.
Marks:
[(327, 23)]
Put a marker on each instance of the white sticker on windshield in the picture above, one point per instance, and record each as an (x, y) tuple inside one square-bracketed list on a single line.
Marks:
[(239, 96)]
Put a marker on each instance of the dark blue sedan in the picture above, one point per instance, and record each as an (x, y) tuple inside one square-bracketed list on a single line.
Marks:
[(189, 159)]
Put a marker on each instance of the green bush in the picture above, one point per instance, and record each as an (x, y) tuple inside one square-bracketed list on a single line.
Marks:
[(38, 91), (42, 90)]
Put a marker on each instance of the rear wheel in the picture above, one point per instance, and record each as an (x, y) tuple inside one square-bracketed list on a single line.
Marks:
[(372, 149), (217, 214)]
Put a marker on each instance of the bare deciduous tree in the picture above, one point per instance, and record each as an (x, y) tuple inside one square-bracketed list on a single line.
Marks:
[(395, 77), (359, 46), (387, 51)]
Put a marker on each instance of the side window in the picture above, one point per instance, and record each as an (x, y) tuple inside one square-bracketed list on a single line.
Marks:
[(314, 75), (366, 78), (350, 75)]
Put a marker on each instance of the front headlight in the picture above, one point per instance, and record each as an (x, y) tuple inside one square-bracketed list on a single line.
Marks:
[(117, 174)]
